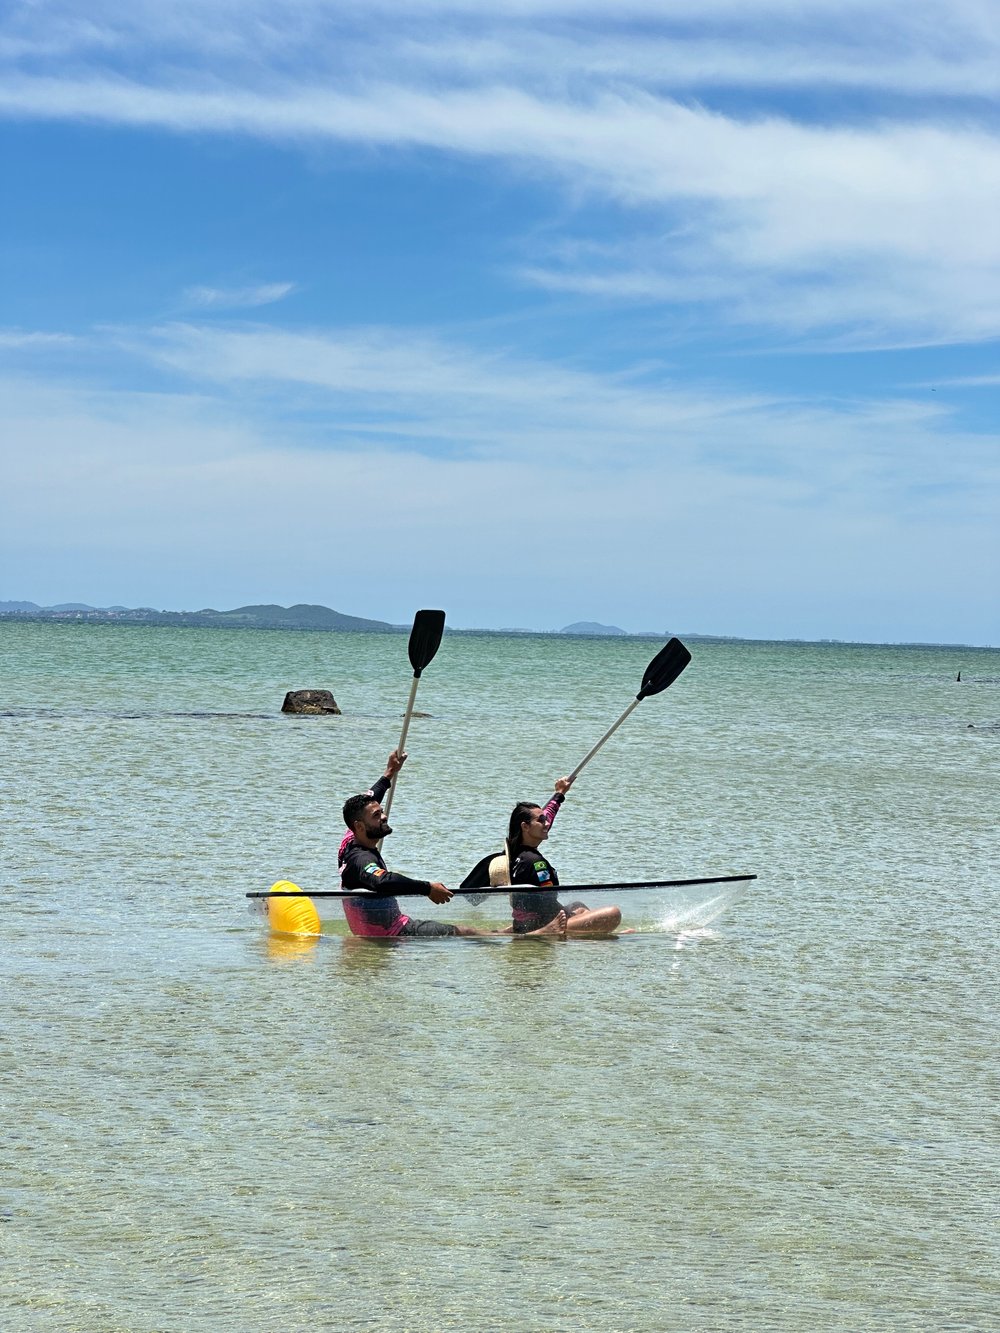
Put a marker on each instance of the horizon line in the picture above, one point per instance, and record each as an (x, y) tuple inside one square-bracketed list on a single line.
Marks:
[(62, 612)]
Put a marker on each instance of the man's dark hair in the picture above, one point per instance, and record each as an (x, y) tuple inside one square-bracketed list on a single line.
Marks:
[(354, 807)]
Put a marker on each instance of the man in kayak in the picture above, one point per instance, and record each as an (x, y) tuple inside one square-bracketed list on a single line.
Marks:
[(362, 867), (537, 903)]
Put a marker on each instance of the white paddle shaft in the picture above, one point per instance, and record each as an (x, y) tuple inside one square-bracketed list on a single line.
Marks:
[(607, 735), (402, 741)]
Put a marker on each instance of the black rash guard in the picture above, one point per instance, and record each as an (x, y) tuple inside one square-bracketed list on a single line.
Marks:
[(540, 905), (363, 868)]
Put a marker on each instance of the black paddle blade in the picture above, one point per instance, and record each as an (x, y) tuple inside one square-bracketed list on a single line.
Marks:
[(664, 669), (425, 638)]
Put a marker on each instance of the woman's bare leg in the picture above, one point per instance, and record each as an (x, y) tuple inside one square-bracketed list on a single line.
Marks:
[(556, 928), (595, 921)]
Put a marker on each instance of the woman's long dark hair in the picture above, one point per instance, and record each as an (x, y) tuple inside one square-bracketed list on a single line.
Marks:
[(518, 817)]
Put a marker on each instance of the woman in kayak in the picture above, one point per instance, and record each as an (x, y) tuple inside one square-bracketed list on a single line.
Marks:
[(538, 903)]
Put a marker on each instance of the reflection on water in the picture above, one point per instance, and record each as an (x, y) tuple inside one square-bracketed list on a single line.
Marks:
[(290, 948), (356, 957)]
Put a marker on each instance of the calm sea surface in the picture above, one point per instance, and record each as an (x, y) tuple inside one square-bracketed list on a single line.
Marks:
[(774, 1111)]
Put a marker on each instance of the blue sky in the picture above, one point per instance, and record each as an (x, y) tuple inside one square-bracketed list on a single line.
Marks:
[(683, 324)]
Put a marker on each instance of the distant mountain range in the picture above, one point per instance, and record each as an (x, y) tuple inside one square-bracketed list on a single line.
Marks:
[(299, 617), (243, 617), (302, 616), (305, 617)]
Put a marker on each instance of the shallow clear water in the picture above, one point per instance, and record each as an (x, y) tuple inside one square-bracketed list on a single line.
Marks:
[(769, 1111)]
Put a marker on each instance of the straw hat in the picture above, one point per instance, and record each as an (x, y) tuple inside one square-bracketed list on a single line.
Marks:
[(499, 872)]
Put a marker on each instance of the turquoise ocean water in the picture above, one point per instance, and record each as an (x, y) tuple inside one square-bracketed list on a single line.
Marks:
[(768, 1111)]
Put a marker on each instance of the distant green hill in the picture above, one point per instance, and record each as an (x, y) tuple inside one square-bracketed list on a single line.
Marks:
[(243, 617), (591, 627), (301, 616)]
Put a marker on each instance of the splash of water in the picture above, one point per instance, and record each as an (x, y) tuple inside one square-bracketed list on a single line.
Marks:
[(691, 919)]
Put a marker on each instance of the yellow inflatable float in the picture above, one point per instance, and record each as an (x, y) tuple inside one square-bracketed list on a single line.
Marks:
[(291, 916)]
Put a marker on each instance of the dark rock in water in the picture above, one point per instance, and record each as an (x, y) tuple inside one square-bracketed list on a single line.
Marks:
[(418, 715), (309, 701)]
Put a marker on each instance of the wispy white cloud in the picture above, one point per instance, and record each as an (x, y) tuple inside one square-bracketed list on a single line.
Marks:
[(15, 339), (236, 298), (491, 462), (711, 158), (968, 381), (875, 226), (419, 391), (421, 396), (888, 228), (919, 48)]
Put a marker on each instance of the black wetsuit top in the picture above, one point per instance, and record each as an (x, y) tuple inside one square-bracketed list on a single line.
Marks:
[(541, 905), (363, 868)]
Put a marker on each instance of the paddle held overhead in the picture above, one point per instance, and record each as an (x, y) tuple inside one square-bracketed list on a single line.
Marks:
[(664, 669), (425, 639)]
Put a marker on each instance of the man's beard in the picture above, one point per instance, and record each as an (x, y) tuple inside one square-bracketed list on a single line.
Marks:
[(384, 829)]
